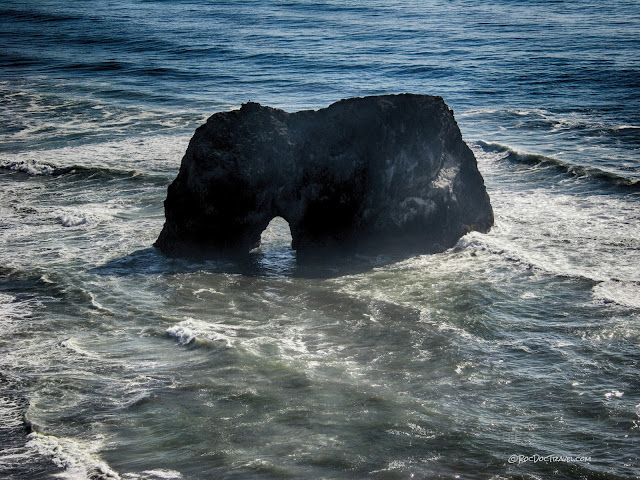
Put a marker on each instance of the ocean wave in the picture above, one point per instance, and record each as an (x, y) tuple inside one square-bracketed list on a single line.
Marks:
[(576, 121), (536, 112), (13, 454), (12, 310), (198, 333), (579, 171), (44, 169), (156, 474), (79, 460), (70, 220), (44, 117), (624, 294), (25, 291), (605, 290), (34, 168)]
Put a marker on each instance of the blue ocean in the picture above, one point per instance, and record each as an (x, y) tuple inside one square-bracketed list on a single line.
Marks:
[(513, 355)]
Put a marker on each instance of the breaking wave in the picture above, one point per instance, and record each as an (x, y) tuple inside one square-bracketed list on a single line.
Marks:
[(579, 171), (45, 169)]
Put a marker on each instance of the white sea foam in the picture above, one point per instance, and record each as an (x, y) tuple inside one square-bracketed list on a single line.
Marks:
[(626, 294), (79, 459), (71, 344), (29, 166), (155, 155), (614, 394), (13, 312), (11, 458), (71, 220), (12, 308), (182, 332), (294, 342), (53, 116), (567, 234), (555, 121), (11, 413), (156, 474), (206, 290), (192, 330), (493, 111), (460, 368)]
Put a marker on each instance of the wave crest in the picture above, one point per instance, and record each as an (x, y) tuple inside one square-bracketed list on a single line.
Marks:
[(198, 333), (44, 169), (580, 171)]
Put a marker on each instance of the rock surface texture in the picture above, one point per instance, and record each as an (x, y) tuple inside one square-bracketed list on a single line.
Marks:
[(370, 174)]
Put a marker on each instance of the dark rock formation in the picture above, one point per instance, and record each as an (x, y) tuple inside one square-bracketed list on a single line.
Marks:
[(372, 174)]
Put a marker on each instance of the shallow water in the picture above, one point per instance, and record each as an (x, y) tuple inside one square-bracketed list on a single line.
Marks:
[(117, 362)]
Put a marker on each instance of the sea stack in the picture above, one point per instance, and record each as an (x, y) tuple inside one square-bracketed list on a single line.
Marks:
[(365, 174)]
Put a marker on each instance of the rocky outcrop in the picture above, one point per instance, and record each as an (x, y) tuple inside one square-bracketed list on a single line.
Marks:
[(372, 174)]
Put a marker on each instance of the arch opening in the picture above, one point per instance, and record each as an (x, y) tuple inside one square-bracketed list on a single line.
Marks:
[(274, 256), (277, 234)]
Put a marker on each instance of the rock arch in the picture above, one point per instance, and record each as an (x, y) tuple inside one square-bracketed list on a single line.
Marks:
[(366, 173)]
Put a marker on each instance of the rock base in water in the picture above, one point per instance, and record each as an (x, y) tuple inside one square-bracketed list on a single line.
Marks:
[(369, 174)]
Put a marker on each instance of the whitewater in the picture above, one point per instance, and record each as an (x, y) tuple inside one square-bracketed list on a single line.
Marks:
[(513, 355)]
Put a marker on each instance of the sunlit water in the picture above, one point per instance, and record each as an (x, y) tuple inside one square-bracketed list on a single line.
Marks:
[(116, 362)]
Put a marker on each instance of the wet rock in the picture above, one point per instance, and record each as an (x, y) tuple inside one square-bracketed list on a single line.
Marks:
[(364, 174)]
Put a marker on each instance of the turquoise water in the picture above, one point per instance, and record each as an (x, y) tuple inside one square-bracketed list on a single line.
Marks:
[(116, 362)]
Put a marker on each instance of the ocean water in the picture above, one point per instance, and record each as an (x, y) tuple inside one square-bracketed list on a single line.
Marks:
[(513, 355)]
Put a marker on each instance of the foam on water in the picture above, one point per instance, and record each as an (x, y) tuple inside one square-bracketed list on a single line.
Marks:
[(79, 460), (200, 333), (32, 167), (71, 220), (12, 412), (568, 231), (150, 155), (13, 311), (157, 474), (55, 118), (626, 294), (89, 200), (614, 174), (12, 454)]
